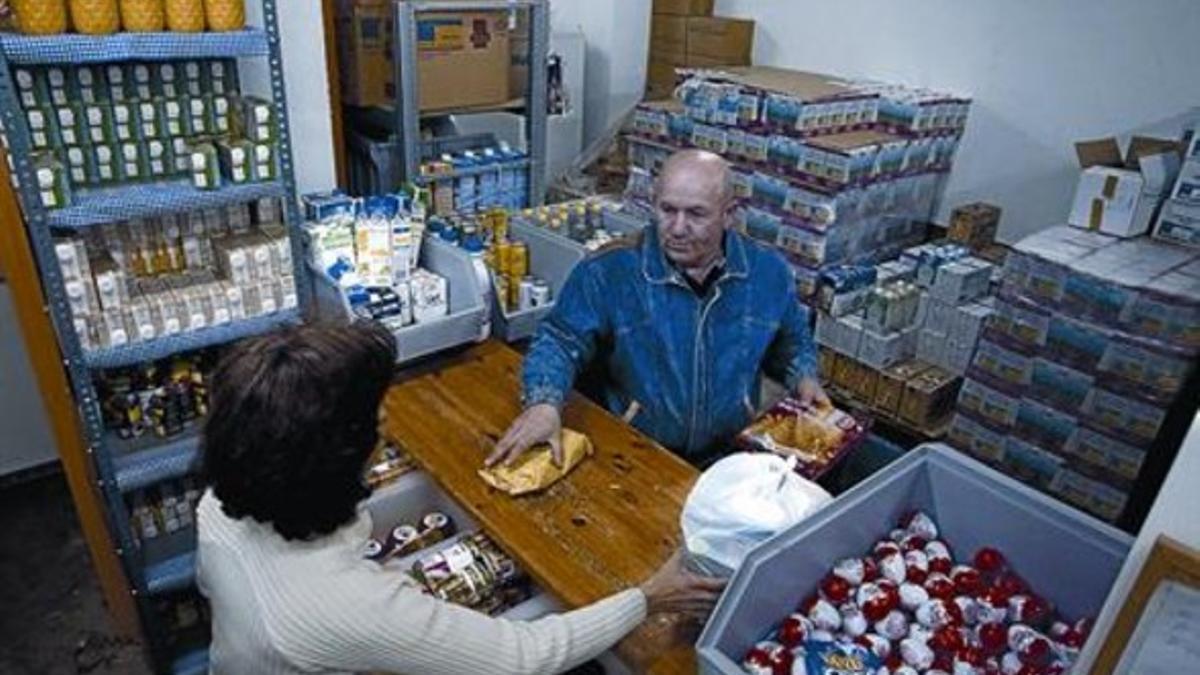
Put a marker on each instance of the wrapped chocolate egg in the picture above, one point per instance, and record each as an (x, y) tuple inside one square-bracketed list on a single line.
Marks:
[(883, 549), (851, 570), (854, 622), (893, 568), (835, 589), (874, 601), (967, 580), (937, 613), (939, 557), (879, 645), (916, 654), (758, 660), (921, 524), (913, 542), (992, 638), (916, 566), (913, 596), (824, 616), (894, 626), (939, 586), (947, 640), (989, 561), (969, 609), (794, 630), (1028, 609)]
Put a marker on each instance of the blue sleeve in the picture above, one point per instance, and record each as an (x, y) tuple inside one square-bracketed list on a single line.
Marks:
[(566, 339), (792, 356)]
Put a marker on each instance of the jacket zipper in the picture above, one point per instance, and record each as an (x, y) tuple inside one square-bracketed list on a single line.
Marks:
[(696, 346)]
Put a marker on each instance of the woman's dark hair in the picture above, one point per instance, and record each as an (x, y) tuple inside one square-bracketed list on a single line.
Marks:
[(292, 420)]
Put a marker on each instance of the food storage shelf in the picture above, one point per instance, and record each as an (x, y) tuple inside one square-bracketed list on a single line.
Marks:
[(150, 350), (1070, 557), (148, 460), (466, 322), (192, 663), (78, 49), (97, 206), (172, 574), (551, 258)]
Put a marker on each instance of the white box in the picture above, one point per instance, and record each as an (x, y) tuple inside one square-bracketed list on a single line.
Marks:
[(1179, 223), (884, 351), (938, 317), (1121, 202), (841, 334), (968, 323), (430, 295), (931, 346)]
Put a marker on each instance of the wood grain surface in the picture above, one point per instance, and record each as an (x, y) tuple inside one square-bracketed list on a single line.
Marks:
[(604, 528)]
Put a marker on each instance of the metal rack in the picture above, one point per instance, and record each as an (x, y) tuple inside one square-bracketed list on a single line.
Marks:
[(122, 466), (407, 118)]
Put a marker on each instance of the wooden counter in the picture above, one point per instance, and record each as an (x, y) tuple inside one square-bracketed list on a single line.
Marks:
[(604, 528)]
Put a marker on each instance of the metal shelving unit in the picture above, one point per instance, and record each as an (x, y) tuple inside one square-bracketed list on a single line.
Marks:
[(407, 113), (122, 466)]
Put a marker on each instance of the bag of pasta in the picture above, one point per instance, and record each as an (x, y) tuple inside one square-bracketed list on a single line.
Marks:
[(816, 436)]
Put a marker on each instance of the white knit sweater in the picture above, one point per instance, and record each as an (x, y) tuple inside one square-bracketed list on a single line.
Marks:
[(318, 607)]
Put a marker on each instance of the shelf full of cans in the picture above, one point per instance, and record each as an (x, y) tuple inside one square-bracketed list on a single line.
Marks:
[(1092, 341), (476, 180), (124, 124), (136, 286)]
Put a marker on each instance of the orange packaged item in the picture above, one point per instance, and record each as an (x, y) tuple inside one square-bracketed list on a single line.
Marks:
[(142, 16), (816, 437), (40, 17), (223, 15), (185, 16), (95, 17)]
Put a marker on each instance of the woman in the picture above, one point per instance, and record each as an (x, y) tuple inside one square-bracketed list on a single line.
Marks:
[(282, 526)]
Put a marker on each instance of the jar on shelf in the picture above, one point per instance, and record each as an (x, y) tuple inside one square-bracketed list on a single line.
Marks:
[(95, 17), (142, 16), (224, 15), (40, 17), (185, 16)]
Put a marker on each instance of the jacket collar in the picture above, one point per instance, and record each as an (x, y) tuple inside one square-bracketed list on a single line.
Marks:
[(657, 270)]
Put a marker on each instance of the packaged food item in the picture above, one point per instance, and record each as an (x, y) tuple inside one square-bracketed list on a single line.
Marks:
[(217, 77), (98, 119), (535, 471), (134, 166), (264, 162), (53, 182), (89, 84), (196, 115), (142, 16), (235, 157), (430, 294), (816, 437), (31, 87), (225, 15), (173, 117), (205, 166), (219, 113), (256, 119), (40, 17), (141, 79), (69, 121), (117, 83), (41, 128), (159, 162), (184, 16)]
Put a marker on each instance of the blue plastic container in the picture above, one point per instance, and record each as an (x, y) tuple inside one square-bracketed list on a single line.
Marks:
[(1066, 555)]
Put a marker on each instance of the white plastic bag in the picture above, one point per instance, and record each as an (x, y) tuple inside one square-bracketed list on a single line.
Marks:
[(740, 501)]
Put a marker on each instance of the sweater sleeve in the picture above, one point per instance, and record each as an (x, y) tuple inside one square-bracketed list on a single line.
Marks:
[(379, 624)]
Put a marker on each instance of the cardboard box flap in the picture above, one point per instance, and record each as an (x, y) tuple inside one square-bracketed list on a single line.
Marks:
[(1100, 152), (1144, 146), (671, 106), (802, 85), (668, 28)]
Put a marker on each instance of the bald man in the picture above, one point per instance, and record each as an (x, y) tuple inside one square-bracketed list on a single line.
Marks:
[(684, 320)]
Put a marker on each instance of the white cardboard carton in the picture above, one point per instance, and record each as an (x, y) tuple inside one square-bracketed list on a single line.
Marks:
[(1120, 198)]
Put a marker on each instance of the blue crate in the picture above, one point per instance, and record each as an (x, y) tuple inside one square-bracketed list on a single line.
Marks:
[(77, 49), (144, 462), (1070, 556), (172, 574)]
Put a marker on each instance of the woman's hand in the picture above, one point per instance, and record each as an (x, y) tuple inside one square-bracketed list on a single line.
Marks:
[(673, 589)]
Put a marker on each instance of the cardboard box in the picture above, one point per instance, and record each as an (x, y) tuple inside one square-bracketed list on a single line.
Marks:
[(464, 57), (1187, 186), (727, 40), (1119, 196), (684, 7), (1179, 223), (861, 381), (884, 351), (889, 389), (668, 38), (929, 397), (974, 225)]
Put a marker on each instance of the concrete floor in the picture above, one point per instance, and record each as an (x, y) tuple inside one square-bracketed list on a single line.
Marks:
[(52, 616)]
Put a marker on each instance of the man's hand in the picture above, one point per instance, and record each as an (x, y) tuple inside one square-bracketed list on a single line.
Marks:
[(539, 423), (809, 392)]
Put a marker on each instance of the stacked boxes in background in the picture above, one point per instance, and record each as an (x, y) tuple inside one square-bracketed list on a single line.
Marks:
[(140, 280), (122, 123), (1092, 339), (683, 33), (896, 338), (829, 171), (1179, 221)]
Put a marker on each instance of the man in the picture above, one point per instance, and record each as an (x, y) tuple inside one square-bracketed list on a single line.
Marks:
[(684, 320)]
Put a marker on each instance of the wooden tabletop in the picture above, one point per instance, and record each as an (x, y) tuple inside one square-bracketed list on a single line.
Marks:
[(604, 528)]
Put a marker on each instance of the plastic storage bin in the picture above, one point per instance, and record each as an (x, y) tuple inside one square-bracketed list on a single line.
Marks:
[(1069, 556), (551, 258), (375, 166), (464, 324)]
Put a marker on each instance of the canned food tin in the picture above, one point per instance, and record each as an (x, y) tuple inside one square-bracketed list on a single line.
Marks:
[(519, 260), (525, 293), (540, 296), (374, 550), (504, 257), (499, 225), (401, 537), (436, 527)]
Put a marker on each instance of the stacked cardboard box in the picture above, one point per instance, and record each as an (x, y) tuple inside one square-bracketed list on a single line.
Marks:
[(830, 171), (1179, 222), (683, 33), (1092, 339), (930, 304), (465, 57)]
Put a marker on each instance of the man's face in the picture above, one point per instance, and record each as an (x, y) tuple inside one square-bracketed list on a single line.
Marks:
[(692, 215)]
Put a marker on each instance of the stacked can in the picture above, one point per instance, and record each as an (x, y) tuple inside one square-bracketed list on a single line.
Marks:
[(473, 572)]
